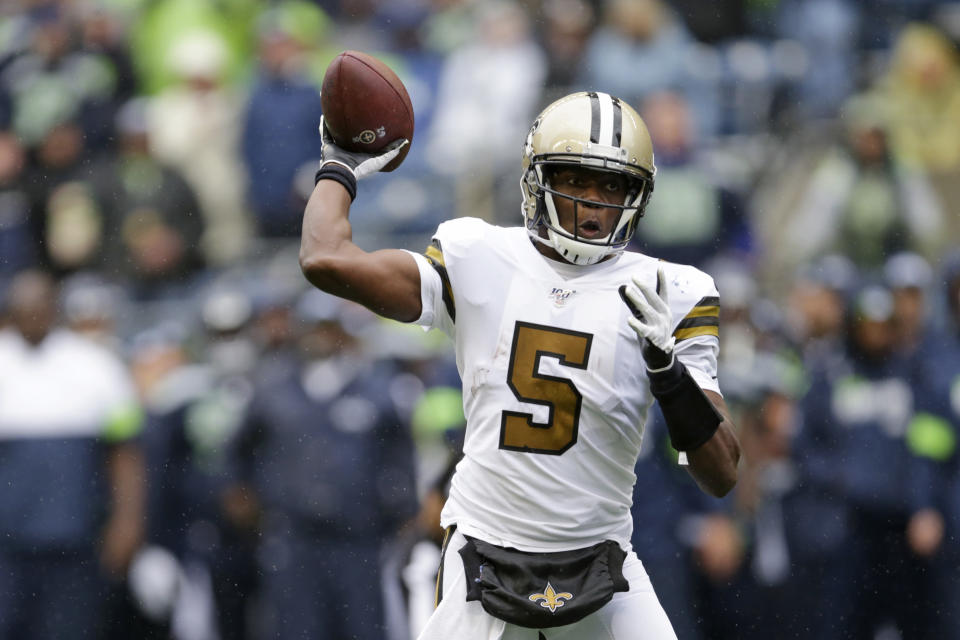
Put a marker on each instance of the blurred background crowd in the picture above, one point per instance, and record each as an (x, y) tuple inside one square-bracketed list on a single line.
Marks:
[(193, 445)]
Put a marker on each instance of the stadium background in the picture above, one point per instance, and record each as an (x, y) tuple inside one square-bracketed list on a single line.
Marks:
[(155, 156)]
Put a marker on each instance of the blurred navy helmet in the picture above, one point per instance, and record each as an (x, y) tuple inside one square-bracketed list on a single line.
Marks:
[(132, 118), (873, 302), (164, 335), (907, 270), (735, 281), (226, 310), (268, 294), (88, 297), (317, 307), (303, 22), (770, 373), (832, 271)]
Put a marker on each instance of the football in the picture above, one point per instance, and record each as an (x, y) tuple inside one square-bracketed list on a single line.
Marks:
[(365, 106)]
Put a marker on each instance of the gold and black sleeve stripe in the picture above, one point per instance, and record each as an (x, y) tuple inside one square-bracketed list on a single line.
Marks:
[(703, 320), (438, 593), (435, 255)]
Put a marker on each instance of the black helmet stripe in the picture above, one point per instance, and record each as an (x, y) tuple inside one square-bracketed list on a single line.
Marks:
[(606, 119), (594, 117), (617, 122)]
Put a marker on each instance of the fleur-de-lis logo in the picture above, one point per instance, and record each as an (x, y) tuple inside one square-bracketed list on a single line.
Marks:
[(551, 599)]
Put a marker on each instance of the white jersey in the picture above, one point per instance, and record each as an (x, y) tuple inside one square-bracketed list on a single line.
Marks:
[(554, 385)]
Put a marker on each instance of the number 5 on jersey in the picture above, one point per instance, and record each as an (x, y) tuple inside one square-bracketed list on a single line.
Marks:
[(531, 342)]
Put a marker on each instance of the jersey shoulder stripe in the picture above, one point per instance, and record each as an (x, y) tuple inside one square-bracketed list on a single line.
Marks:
[(434, 255), (453, 243), (702, 320)]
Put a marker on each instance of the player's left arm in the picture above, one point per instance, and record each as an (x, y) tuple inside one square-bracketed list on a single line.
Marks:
[(125, 470), (124, 530), (698, 420), (714, 463)]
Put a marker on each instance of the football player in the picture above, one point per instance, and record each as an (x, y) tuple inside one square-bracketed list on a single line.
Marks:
[(563, 341)]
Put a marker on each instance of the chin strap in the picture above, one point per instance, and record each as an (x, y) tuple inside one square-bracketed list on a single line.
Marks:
[(536, 237), (548, 214)]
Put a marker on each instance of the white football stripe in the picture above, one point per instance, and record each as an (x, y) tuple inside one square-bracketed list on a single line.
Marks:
[(606, 118)]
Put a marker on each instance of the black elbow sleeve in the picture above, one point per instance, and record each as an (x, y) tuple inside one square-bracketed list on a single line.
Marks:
[(691, 417)]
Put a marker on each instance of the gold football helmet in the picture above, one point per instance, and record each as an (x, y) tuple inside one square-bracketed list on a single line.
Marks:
[(595, 131)]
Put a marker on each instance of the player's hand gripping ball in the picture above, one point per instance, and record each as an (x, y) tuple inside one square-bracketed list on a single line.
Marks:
[(365, 106)]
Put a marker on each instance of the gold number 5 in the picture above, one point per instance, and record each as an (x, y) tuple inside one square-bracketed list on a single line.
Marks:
[(518, 431)]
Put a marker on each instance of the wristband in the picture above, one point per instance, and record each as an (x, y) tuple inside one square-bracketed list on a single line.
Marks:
[(656, 358), (338, 173), (691, 417)]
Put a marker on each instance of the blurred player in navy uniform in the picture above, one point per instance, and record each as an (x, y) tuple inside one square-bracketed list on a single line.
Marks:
[(938, 429), (331, 466), (866, 521), (72, 503), (563, 341), (194, 407), (672, 521)]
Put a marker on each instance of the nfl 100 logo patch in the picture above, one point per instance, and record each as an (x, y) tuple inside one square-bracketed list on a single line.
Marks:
[(560, 296)]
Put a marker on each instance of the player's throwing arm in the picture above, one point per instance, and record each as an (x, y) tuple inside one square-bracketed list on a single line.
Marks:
[(367, 127)]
